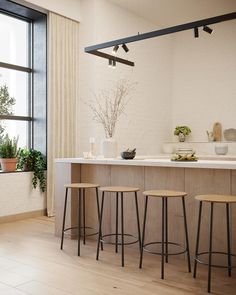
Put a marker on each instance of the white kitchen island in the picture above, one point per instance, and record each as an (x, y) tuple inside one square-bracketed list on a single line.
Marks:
[(216, 175)]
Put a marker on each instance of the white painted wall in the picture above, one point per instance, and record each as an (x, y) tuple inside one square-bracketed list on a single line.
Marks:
[(148, 115), (17, 195), (204, 88)]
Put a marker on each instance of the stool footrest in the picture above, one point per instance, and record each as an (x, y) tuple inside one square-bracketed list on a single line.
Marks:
[(76, 233), (165, 254), (214, 265), (118, 243)]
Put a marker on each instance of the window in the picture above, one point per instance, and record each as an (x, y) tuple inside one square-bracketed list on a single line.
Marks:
[(15, 79), (23, 92)]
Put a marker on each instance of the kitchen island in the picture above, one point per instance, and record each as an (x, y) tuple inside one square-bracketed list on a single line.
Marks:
[(216, 176)]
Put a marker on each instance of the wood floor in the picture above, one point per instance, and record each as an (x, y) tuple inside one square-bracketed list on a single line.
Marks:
[(31, 263)]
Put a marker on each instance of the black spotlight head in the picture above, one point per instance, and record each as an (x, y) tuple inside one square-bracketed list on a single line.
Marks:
[(207, 29), (113, 63), (110, 63), (196, 33), (126, 49), (115, 48)]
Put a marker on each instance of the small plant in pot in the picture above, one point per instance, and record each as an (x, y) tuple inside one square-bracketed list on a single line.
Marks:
[(182, 132), (33, 160), (8, 153)]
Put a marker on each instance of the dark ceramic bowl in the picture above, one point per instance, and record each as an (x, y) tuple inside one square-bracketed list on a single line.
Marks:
[(127, 155)]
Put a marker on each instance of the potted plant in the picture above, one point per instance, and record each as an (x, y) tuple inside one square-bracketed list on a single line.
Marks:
[(33, 160), (8, 153), (182, 132)]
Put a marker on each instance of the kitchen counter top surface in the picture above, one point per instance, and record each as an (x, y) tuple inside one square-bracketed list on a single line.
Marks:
[(211, 162)]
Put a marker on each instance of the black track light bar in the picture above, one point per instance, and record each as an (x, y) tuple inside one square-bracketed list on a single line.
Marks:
[(112, 57), (170, 30)]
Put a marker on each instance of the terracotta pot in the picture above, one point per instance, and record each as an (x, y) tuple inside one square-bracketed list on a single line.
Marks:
[(8, 165)]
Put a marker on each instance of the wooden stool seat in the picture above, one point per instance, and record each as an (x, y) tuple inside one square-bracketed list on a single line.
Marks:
[(119, 189), (164, 193), (213, 199), (216, 198), (81, 185)]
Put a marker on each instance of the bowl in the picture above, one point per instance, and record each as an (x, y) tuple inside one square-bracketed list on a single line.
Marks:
[(221, 149), (128, 155)]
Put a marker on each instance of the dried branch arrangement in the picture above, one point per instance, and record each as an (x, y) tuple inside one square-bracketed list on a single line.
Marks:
[(109, 105)]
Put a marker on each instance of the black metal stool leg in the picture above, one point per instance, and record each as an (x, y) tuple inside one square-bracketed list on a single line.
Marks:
[(122, 231), (100, 227), (79, 221), (98, 208), (210, 249), (143, 235), (166, 229), (197, 239), (228, 240), (117, 209), (84, 217), (162, 237), (138, 222), (186, 234), (64, 219)]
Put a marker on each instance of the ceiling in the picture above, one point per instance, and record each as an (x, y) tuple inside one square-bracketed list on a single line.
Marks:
[(165, 13)]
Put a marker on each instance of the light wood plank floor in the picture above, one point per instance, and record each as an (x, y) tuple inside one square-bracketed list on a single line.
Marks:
[(32, 263)]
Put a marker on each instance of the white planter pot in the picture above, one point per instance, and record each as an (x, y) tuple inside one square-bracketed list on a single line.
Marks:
[(109, 148)]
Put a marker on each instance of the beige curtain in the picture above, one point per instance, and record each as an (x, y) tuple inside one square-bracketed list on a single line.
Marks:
[(63, 51)]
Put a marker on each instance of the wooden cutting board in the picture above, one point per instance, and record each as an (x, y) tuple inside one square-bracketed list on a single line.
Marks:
[(217, 131)]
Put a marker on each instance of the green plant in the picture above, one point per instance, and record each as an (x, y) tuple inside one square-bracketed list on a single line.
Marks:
[(6, 104), (185, 130), (33, 160), (8, 147)]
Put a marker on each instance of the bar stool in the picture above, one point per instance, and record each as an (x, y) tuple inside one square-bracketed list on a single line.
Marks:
[(119, 190), (81, 192), (164, 195), (212, 199)]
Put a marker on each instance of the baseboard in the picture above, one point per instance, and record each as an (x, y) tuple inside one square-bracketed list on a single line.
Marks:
[(21, 216)]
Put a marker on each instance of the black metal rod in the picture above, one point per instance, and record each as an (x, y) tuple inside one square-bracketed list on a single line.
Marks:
[(228, 240), (100, 227), (79, 221), (98, 209), (162, 237), (143, 235), (117, 209), (84, 218), (197, 239), (210, 249), (166, 31), (138, 222), (122, 231), (112, 57), (16, 118), (166, 228), (186, 234), (15, 67), (64, 220)]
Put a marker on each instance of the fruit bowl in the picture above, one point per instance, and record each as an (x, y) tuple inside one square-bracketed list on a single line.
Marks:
[(185, 157)]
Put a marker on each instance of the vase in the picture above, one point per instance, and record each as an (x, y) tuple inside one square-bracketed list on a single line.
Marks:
[(109, 148), (8, 164), (181, 137)]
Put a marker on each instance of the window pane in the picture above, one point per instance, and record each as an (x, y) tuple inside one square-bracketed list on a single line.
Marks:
[(16, 128), (16, 85), (14, 37)]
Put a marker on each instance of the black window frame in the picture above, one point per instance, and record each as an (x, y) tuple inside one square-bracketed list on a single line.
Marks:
[(37, 69)]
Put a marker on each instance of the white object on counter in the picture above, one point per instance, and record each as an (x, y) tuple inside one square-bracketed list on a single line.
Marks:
[(109, 148), (221, 149), (92, 146)]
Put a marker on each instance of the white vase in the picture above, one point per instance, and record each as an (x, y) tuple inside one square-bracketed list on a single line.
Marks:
[(109, 148)]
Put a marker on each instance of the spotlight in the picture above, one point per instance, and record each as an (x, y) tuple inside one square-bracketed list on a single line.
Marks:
[(207, 29), (115, 48), (110, 63), (113, 63), (196, 33), (126, 49)]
